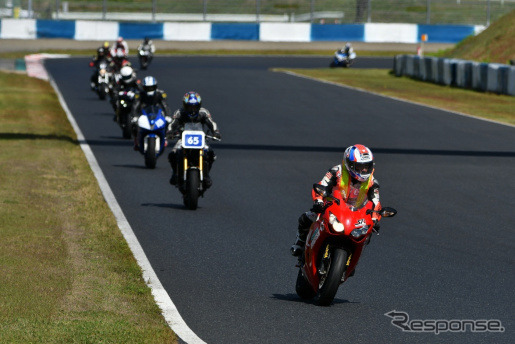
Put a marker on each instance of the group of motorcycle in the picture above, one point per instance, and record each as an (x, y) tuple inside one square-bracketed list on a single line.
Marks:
[(151, 126), (335, 240)]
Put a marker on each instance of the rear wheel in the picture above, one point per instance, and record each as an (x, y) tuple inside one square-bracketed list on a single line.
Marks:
[(303, 288), (150, 153), (192, 189), (331, 281)]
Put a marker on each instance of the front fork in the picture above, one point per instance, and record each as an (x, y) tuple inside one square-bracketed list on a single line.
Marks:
[(324, 263), (200, 165)]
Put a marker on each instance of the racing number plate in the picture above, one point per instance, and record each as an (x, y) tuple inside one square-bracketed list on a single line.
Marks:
[(193, 139)]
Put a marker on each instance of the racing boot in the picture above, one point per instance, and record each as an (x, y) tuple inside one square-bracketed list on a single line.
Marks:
[(174, 178), (172, 159), (210, 159), (297, 249), (207, 179), (305, 221)]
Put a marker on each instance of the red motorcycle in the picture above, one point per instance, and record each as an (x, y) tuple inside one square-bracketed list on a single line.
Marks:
[(334, 245)]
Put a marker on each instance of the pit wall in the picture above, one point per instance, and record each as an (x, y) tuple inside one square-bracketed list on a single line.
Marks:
[(486, 77), (269, 32)]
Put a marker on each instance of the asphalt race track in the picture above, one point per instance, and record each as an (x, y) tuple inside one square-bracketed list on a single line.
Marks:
[(448, 254)]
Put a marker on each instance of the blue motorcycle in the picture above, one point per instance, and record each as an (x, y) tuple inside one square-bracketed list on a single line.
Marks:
[(342, 59), (151, 134)]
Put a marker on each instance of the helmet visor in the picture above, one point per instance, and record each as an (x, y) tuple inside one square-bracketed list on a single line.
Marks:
[(362, 168), (192, 108)]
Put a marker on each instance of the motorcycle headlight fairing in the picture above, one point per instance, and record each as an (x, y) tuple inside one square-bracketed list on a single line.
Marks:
[(337, 226), (358, 232)]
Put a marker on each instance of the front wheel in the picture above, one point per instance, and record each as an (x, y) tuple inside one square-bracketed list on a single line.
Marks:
[(192, 189), (335, 269), (150, 153)]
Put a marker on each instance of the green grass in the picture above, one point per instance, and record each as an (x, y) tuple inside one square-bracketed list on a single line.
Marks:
[(485, 105), (66, 273), (495, 44)]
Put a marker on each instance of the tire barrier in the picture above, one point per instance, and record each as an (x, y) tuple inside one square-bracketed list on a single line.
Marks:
[(486, 77)]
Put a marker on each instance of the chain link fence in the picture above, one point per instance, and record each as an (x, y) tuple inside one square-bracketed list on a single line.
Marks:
[(470, 12)]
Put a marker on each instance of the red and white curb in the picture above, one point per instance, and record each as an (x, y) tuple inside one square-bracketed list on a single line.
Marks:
[(34, 64)]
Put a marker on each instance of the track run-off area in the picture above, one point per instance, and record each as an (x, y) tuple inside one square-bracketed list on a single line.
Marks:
[(448, 254)]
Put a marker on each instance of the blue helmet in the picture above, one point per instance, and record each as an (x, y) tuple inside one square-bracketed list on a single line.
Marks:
[(191, 102)]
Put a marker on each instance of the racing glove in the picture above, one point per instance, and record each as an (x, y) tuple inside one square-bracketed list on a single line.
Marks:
[(217, 135), (318, 207)]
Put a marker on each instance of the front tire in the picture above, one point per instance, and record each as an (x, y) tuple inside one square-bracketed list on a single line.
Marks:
[(192, 189), (328, 289), (303, 288), (150, 153)]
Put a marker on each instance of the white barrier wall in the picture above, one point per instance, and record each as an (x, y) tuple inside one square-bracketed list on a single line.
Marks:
[(18, 28), (187, 31), (391, 33), (96, 30), (285, 32)]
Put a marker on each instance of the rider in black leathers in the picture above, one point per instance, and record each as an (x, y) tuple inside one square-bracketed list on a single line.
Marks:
[(102, 55), (191, 111)]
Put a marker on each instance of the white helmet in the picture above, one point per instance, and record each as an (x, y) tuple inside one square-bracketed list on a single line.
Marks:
[(127, 74)]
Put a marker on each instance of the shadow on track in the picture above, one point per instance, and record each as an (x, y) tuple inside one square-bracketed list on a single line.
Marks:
[(374, 149), (166, 205), (296, 298)]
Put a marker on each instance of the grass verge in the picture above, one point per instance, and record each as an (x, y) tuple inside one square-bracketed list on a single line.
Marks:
[(486, 105), (66, 272)]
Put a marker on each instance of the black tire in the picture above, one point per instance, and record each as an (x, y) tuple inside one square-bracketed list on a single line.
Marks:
[(150, 154), (332, 65), (192, 189), (327, 291), (303, 288)]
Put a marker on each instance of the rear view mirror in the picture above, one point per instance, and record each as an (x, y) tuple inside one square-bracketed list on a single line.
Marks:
[(388, 212)]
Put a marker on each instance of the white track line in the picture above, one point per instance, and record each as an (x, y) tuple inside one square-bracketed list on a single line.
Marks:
[(390, 97), (163, 300)]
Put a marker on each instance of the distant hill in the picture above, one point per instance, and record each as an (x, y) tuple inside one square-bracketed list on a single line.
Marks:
[(495, 44)]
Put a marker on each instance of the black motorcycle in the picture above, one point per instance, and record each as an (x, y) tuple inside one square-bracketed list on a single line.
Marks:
[(124, 103), (145, 56), (192, 164)]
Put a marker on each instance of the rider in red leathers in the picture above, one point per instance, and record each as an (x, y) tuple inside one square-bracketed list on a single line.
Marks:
[(354, 178)]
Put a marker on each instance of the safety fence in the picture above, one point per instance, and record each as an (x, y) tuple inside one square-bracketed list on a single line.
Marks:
[(469, 12), (271, 32), (486, 77)]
